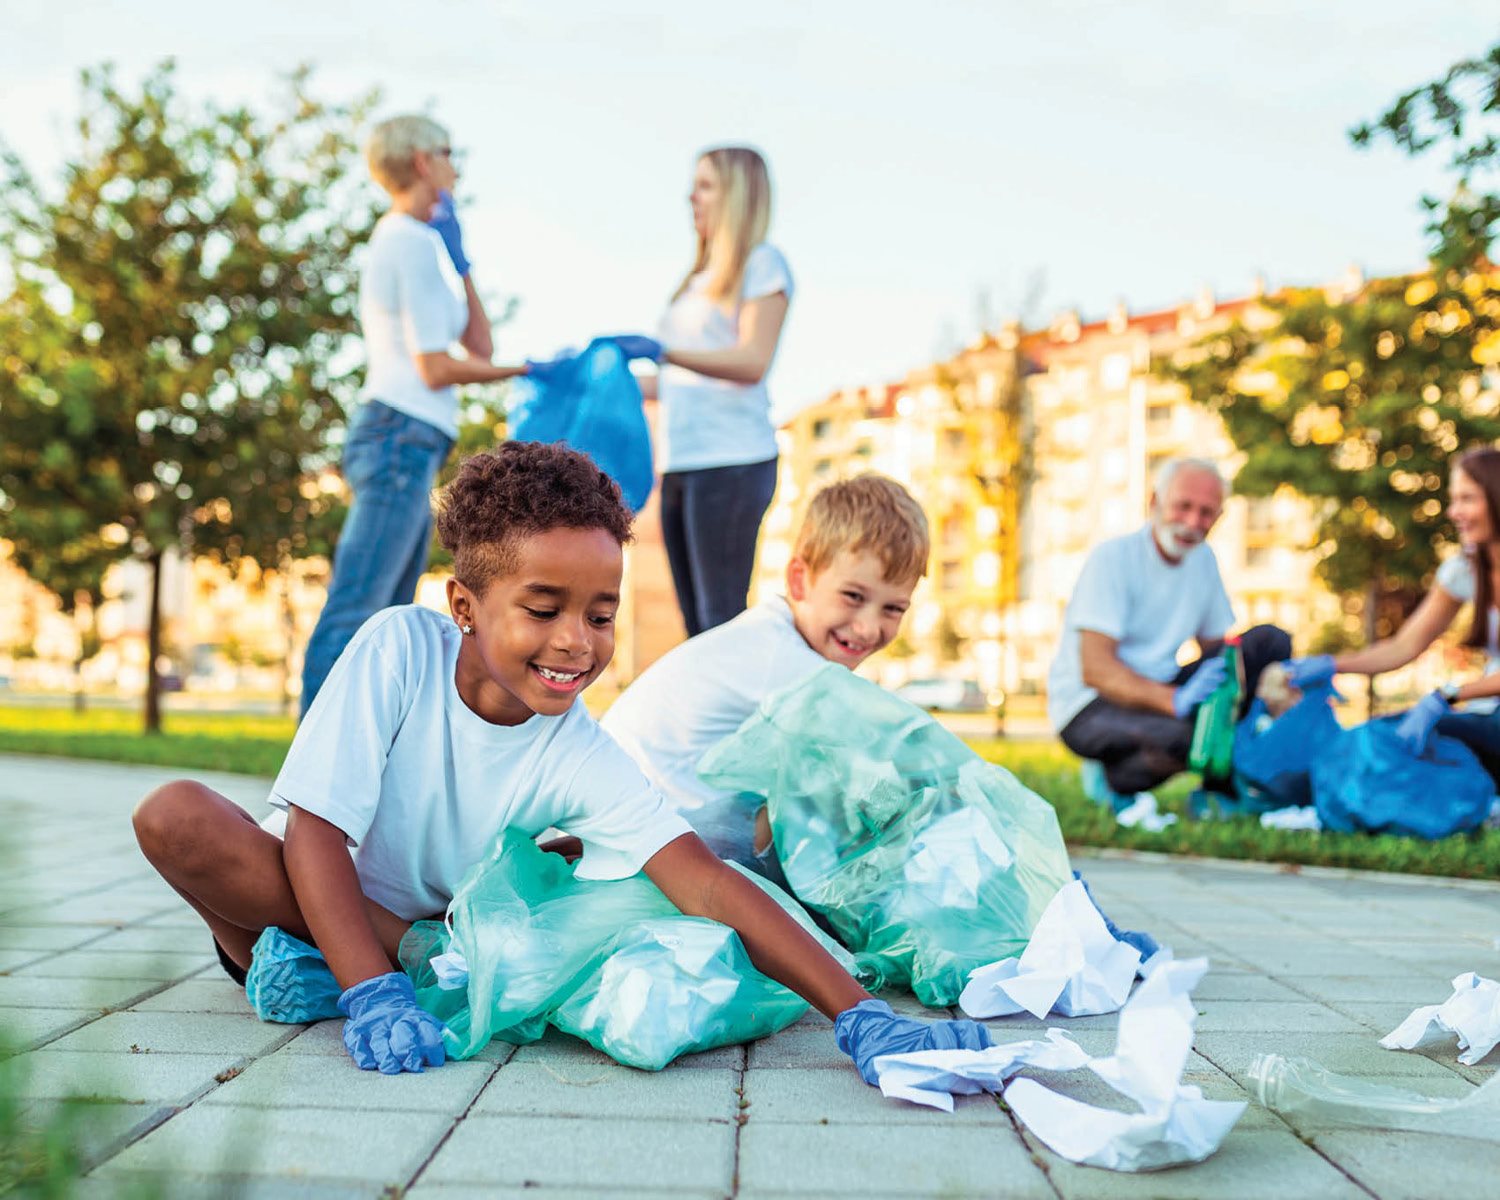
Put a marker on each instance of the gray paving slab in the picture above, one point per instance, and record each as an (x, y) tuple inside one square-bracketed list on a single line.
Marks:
[(97, 957), (618, 1152)]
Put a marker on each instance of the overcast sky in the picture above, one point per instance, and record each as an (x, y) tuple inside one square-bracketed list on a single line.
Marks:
[(922, 155)]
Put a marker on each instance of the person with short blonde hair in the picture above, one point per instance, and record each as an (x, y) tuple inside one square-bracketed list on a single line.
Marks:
[(716, 343), (411, 314), (860, 551)]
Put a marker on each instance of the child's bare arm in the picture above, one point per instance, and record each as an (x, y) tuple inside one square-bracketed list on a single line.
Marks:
[(701, 886), (328, 893)]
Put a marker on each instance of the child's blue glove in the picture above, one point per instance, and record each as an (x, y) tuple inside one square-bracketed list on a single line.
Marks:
[(1414, 730), (871, 1028), (1303, 673), (638, 345), (1199, 687), (386, 1031), (445, 220), (544, 371)]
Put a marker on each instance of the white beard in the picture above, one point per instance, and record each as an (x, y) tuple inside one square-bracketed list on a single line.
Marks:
[(1174, 544)]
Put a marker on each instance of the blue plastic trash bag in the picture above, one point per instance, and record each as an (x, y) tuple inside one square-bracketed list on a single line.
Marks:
[(1369, 781), (1273, 758), (926, 860), (612, 962), (592, 403)]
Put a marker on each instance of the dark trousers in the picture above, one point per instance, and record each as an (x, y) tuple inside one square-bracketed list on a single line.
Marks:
[(709, 521), (1141, 749), (1480, 732)]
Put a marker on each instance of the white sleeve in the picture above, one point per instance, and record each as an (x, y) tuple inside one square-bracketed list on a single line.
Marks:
[(1100, 597), (617, 815), (1456, 577), (338, 755), (766, 273), (426, 300)]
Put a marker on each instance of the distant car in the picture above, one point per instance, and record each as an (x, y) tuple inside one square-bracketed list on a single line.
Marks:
[(948, 695)]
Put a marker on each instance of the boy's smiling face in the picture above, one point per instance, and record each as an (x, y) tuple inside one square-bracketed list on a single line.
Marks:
[(848, 610), (543, 630)]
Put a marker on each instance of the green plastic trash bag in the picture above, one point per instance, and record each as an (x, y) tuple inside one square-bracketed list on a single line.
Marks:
[(612, 962), (926, 860)]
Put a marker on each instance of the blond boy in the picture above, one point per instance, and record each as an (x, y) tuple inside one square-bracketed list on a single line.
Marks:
[(862, 547)]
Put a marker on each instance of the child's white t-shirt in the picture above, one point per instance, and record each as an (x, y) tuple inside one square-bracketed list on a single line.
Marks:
[(699, 693), (408, 306), (421, 784)]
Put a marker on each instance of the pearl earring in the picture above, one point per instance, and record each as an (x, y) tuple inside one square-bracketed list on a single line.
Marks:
[(467, 628)]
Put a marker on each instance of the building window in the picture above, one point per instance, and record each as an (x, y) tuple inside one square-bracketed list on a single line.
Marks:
[(821, 428)]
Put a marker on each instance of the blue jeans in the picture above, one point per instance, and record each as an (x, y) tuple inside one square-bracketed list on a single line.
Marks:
[(390, 462), (709, 521)]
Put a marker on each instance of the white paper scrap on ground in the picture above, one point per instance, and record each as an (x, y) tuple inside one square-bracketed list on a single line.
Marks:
[(1071, 965), (451, 969), (1175, 1123), (1294, 817), (1143, 814), (1472, 1013), (934, 1077)]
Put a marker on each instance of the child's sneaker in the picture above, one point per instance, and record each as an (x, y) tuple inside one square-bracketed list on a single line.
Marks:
[(289, 981)]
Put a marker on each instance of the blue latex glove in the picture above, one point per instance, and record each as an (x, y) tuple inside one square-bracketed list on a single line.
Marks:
[(386, 1031), (1414, 730), (871, 1028), (1143, 942), (1199, 686), (1303, 673), (546, 371), (638, 345), (445, 220)]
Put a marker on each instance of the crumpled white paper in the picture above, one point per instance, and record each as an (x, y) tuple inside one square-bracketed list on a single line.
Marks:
[(1071, 965), (1294, 817), (1472, 1013), (1142, 813), (934, 1077), (451, 969), (1175, 1123)]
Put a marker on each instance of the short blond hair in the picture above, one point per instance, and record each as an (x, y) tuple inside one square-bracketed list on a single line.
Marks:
[(393, 146), (868, 512)]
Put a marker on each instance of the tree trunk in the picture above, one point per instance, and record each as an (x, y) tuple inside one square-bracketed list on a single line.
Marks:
[(153, 646), (79, 702), (289, 632), (1372, 627)]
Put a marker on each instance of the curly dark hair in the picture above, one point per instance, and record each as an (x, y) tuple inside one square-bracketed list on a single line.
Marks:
[(516, 491)]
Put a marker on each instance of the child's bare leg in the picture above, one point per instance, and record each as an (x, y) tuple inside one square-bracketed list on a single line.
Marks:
[(229, 868)]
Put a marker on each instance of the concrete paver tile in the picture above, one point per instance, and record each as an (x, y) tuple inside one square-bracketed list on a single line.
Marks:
[(566, 1152), (1345, 1053), (125, 964), (541, 1191), (300, 1143), (96, 1127), (20, 1027), (583, 1090), (1250, 1165), (211, 995), (325, 1037), (798, 1046), (152, 939), (306, 1081), (795, 1096), (46, 937), (859, 1160), (135, 1078), (1275, 1016), (1220, 984), (1398, 985), (239, 1187), (178, 1033), (1385, 1164), (32, 992)]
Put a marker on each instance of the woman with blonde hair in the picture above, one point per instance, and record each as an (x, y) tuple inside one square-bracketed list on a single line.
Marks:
[(716, 343), (412, 313)]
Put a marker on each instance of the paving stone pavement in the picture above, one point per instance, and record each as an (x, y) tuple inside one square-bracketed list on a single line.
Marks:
[(108, 984)]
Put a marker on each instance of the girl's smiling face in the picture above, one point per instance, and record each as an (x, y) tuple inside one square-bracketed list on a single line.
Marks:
[(1469, 510), (543, 630), (706, 198)]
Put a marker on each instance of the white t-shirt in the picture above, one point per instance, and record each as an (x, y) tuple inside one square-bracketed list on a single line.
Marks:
[(421, 784), (1456, 577), (1129, 592), (713, 422), (700, 692), (408, 306)]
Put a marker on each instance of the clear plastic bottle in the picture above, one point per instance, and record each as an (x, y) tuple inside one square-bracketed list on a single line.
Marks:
[(1310, 1095)]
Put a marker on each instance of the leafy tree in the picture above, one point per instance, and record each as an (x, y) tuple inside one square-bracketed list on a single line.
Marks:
[(169, 349), (1459, 112)]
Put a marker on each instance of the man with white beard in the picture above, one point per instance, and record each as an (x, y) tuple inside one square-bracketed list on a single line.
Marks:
[(1116, 694)]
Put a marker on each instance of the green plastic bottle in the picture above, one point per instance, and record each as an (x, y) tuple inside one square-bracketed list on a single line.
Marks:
[(1212, 747)]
